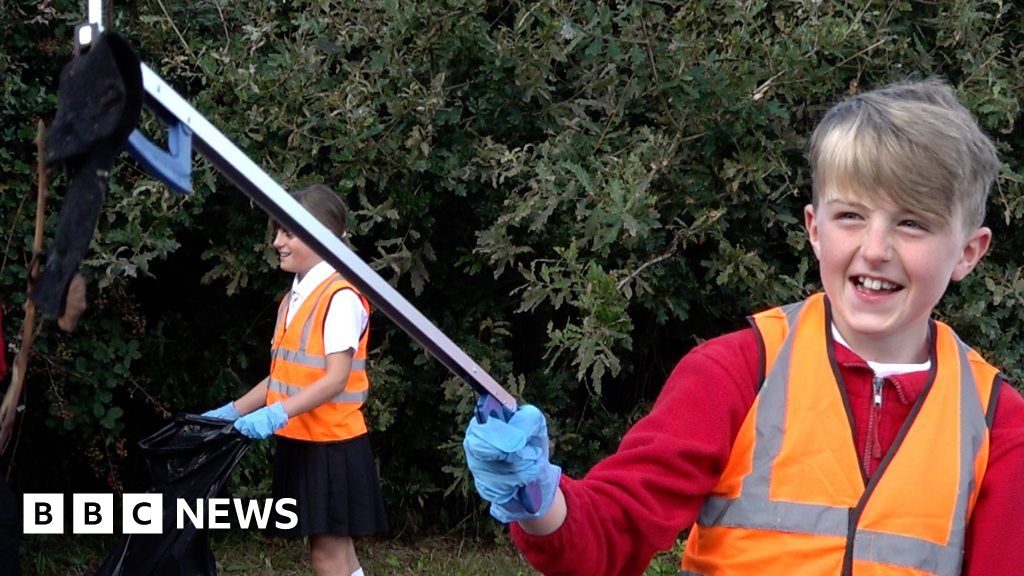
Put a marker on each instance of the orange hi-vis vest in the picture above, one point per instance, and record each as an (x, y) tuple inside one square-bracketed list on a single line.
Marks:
[(298, 360), (793, 498)]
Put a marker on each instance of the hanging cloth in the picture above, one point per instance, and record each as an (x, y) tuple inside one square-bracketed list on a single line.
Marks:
[(98, 105)]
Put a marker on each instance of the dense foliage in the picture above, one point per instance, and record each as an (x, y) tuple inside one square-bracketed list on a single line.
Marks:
[(576, 192)]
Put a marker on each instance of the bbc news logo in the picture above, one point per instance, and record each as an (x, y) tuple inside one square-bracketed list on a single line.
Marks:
[(144, 513)]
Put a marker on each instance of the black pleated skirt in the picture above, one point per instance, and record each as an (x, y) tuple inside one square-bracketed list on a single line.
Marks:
[(335, 486)]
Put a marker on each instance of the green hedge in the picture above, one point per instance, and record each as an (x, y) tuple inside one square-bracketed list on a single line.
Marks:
[(574, 192)]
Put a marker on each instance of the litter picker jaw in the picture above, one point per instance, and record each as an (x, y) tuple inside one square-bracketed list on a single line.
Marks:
[(189, 129)]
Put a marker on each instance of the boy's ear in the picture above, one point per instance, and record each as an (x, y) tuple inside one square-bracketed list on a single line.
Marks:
[(975, 247), (811, 223)]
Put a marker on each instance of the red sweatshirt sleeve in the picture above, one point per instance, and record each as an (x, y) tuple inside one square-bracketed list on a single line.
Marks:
[(995, 536), (637, 501)]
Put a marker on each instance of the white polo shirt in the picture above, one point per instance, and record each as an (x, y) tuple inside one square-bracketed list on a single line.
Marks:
[(346, 318)]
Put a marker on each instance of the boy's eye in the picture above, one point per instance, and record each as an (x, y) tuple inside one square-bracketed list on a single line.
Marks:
[(847, 216), (915, 224)]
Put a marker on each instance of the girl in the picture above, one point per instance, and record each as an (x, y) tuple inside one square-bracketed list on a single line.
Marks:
[(313, 397)]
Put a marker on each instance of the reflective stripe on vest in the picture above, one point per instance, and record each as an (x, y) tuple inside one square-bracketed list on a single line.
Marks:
[(287, 390), (299, 357), (754, 512)]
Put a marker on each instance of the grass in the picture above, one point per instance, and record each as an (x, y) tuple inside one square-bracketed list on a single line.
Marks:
[(253, 554)]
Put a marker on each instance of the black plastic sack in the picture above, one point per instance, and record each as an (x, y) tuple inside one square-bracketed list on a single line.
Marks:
[(190, 459)]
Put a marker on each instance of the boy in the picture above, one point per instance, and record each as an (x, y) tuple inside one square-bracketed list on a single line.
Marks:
[(846, 434)]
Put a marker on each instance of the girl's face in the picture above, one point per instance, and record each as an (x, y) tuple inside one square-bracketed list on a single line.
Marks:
[(293, 253)]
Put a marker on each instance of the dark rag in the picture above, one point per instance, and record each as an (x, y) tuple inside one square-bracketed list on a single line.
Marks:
[(98, 105)]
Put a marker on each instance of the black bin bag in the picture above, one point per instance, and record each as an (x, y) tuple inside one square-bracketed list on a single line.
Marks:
[(190, 459)]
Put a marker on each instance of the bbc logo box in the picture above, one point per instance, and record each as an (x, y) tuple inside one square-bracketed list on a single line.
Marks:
[(43, 513), (92, 513)]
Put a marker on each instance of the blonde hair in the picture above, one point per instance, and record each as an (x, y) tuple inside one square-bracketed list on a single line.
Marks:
[(914, 144)]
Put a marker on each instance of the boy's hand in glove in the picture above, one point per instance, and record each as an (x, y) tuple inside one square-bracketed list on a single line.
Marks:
[(508, 457)]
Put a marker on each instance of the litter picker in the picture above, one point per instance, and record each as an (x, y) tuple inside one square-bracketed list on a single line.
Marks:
[(186, 128)]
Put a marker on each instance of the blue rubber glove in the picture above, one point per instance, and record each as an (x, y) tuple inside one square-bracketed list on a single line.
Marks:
[(506, 458), (225, 412), (263, 422)]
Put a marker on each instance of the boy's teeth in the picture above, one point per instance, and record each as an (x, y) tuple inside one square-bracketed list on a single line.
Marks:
[(875, 284)]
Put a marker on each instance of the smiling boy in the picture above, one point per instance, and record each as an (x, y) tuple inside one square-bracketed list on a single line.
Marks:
[(845, 434), (901, 177)]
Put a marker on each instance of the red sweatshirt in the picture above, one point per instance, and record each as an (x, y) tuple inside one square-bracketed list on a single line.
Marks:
[(636, 502)]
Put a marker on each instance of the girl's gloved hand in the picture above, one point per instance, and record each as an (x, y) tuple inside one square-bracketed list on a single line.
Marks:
[(225, 412), (263, 422), (509, 463)]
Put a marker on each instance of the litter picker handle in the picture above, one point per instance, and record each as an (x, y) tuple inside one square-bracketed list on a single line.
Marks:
[(95, 14), (265, 192)]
